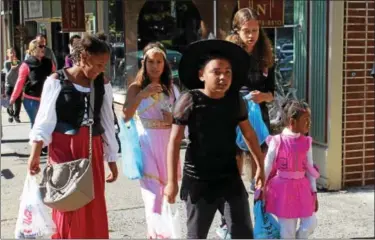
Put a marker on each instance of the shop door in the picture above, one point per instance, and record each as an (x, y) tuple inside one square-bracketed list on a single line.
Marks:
[(173, 23), (60, 43)]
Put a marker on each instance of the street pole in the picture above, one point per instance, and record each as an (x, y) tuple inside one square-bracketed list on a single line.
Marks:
[(21, 32), (215, 18), (1, 61)]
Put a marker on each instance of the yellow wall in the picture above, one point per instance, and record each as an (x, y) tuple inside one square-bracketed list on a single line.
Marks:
[(329, 158)]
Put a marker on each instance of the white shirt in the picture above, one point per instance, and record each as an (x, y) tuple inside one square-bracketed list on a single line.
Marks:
[(271, 156), (46, 118)]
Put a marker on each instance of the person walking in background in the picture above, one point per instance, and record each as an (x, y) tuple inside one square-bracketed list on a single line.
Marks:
[(31, 76), (68, 58), (11, 67), (248, 34), (48, 53)]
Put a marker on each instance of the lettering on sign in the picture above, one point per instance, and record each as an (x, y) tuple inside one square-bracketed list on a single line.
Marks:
[(270, 12), (74, 18)]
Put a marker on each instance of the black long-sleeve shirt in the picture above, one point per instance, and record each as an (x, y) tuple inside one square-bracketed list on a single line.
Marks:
[(263, 82)]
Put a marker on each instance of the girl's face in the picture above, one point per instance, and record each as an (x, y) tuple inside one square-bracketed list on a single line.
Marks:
[(93, 64), (154, 65), (249, 33), (302, 124), (216, 75)]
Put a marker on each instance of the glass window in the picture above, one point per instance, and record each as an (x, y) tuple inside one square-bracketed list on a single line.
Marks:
[(117, 42), (59, 43), (173, 23)]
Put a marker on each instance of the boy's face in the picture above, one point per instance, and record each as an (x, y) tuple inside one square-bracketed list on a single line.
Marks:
[(216, 75), (10, 54)]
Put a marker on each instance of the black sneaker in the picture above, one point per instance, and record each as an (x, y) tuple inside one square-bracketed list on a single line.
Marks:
[(10, 119), (17, 119)]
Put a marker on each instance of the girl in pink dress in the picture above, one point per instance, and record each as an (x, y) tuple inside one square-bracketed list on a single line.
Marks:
[(291, 177)]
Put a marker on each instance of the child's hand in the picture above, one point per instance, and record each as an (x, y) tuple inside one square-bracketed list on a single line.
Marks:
[(114, 172), (170, 191), (257, 96), (151, 89), (259, 178)]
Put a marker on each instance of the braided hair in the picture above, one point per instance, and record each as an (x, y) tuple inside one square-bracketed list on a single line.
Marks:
[(293, 109), (89, 44)]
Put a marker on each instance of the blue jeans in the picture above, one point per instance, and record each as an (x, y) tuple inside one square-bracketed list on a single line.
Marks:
[(31, 106)]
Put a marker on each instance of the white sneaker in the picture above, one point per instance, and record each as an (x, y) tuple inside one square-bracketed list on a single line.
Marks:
[(223, 233)]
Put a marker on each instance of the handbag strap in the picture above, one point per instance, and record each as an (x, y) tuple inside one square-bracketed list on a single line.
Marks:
[(90, 115)]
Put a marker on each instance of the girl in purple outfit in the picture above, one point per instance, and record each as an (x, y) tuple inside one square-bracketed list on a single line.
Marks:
[(68, 59), (149, 100), (290, 191)]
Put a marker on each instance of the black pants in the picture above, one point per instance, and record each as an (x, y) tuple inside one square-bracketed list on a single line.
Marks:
[(17, 104), (236, 211)]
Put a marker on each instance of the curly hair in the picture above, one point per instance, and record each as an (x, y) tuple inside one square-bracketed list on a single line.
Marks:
[(166, 77), (73, 38), (293, 109), (33, 45), (89, 44), (262, 52)]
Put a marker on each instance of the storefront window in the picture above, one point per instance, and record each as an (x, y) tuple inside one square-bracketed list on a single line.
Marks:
[(283, 42), (175, 23), (116, 39), (59, 42)]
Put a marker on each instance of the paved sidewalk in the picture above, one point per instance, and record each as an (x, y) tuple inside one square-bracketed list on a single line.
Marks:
[(344, 214)]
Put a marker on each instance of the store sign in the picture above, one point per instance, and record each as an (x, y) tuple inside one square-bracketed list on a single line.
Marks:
[(270, 12), (73, 16)]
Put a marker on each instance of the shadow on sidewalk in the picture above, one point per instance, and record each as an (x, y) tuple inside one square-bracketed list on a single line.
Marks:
[(363, 189), (7, 174), (19, 155), (363, 238), (15, 140)]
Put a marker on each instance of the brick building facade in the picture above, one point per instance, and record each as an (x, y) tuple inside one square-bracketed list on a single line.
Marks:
[(358, 114)]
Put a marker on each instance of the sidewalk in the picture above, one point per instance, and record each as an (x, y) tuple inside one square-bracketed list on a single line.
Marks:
[(119, 95), (343, 214), (15, 135)]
